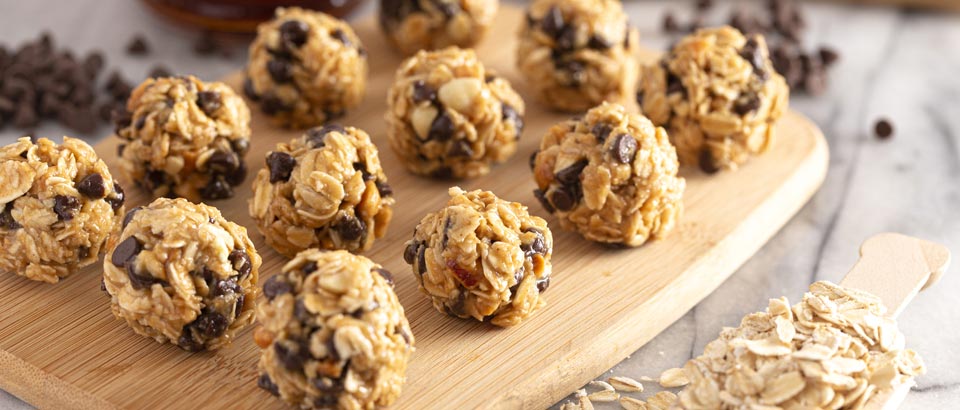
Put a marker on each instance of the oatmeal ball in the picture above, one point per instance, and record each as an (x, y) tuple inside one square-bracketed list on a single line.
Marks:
[(180, 272), (413, 25), (482, 257), (448, 116), (58, 204), (578, 53), (611, 176), (184, 138), (324, 189), (332, 334), (305, 68), (718, 96)]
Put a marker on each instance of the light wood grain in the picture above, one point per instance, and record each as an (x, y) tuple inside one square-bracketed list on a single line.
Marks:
[(603, 304), (895, 267)]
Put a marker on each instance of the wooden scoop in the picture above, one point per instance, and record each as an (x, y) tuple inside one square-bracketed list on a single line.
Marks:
[(895, 267)]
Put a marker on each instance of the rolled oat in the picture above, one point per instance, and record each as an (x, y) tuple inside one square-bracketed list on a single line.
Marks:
[(413, 25)]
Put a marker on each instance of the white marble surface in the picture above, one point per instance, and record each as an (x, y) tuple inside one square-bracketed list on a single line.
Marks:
[(896, 63)]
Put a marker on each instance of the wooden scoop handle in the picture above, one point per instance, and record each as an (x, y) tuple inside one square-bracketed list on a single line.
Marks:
[(895, 267)]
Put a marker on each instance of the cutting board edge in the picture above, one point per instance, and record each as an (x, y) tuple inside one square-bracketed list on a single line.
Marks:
[(41, 389)]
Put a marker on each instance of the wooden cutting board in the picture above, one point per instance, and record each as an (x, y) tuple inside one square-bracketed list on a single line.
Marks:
[(61, 348)]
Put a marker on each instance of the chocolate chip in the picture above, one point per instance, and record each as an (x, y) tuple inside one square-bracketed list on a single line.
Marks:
[(566, 40), (422, 259), (674, 84), (83, 252), (543, 284), (6, 218), (542, 198), (129, 216), (248, 89), (624, 148), (116, 201), (563, 198), (883, 129), (273, 105), (92, 186), (410, 252), (443, 172), (707, 163), (265, 383), (552, 23), (294, 32), (126, 250), (281, 165), (460, 148), (240, 261), (316, 136), (187, 342), (276, 286), (209, 102), (350, 228), (423, 92), (341, 36), (533, 159), (383, 188), (138, 46), (537, 246), (300, 311), (752, 53), (601, 131), (704, 5), (640, 99), (511, 114), (309, 267), (362, 168), (222, 162), (386, 275), (65, 206), (217, 188), (290, 356), (226, 287), (210, 325), (571, 174), (159, 71), (281, 71), (746, 104), (828, 55), (442, 128), (597, 42)]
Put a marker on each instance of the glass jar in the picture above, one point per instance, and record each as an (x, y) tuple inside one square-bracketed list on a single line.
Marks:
[(240, 15)]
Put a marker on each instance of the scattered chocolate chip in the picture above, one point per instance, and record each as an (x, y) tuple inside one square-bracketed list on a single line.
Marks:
[(601, 131), (883, 129), (265, 383), (92, 186), (281, 71), (386, 275), (6, 218), (571, 174), (294, 32), (442, 128), (542, 198), (564, 198), (704, 5), (240, 261), (138, 46), (624, 148), (552, 23), (281, 165), (129, 217), (828, 55), (65, 206), (460, 148), (209, 102), (350, 228), (423, 92), (511, 114), (410, 252), (276, 286), (383, 188), (159, 71), (126, 250), (707, 163)]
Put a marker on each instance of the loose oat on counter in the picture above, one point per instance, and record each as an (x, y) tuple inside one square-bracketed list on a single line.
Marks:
[(448, 116), (180, 272), (333, 334), (482, 257), (413, 25), (578, 53), (322, 189), (184, 137), (305, 68), (58, 204), (611, 176), (834, 350), (718, 95)]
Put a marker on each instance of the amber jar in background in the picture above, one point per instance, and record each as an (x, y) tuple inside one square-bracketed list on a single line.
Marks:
[(240, 15)]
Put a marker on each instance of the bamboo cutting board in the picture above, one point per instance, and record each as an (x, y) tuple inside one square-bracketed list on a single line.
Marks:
[(61, 348)]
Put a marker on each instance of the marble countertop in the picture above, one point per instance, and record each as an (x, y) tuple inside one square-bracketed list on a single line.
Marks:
[(899, 64)]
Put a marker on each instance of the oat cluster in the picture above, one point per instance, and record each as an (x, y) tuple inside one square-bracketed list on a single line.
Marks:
[(834, 350), (448, 116), (323, 189), (180, 272), (305, 68), (184, 138), (482, 257), (58, 204), (611, 176), (718, 95), (576, 54), (413, 25), (333, 334)]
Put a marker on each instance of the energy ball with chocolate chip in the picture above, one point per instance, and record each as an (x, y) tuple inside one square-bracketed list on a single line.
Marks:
[(324, 189), (448, 116), (718, 96), (184, 138), (332, 333), (413, 25), (58, 204), (305, 68), (611, 176), (180, 272), (576, 54), (482, 257)]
